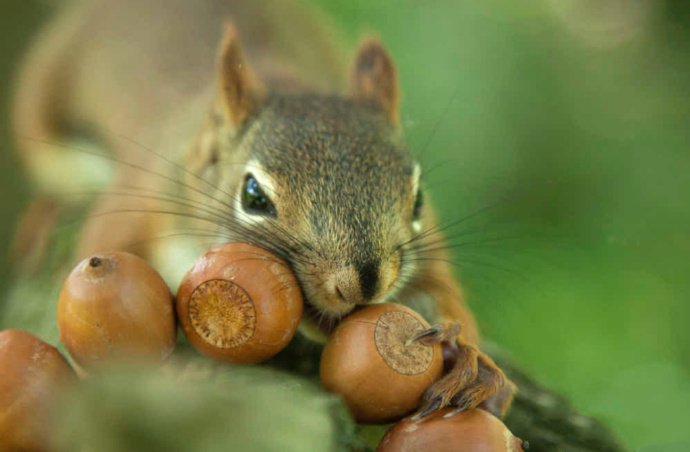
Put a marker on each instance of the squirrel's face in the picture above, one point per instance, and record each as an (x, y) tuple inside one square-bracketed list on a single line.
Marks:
[(325, 182), (329, 178)]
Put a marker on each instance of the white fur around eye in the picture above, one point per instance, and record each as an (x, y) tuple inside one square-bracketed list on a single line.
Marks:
[(416, 175), (267, 184)]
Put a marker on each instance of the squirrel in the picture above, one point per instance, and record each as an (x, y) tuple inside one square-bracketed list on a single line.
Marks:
[(243, 106)]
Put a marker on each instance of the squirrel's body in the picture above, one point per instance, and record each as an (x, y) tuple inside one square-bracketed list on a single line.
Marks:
[(271, 149), (145, 70), (131, 65)]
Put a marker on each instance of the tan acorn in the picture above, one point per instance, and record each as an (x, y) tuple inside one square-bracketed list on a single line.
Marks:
[(370, 361), (470, 431), (114, 306), (31, 374), (239, 303)]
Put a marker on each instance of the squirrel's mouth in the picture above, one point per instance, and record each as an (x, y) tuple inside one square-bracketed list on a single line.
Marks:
[(314, 325), (323, 310), (321, 306), (317, 323), (323, 320)]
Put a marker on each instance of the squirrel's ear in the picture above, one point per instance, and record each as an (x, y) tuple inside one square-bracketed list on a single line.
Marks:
[(374, 79), (240, 90)]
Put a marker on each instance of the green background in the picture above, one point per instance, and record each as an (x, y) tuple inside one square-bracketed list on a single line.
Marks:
[(560, 127)]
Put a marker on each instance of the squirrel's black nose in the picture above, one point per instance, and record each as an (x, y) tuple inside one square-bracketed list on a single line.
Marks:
[(368, 279)]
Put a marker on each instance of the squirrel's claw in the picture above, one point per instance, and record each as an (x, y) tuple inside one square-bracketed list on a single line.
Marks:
[(442, 332), (452, 413), (473, 380), (429, 407)]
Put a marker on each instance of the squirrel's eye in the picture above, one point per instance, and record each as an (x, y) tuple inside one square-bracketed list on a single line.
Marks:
[(254, 200), (418, 204)]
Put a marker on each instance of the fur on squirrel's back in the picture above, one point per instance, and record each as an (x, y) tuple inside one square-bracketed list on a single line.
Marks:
[(125, 67)]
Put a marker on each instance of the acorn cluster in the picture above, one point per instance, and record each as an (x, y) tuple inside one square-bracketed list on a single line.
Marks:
[(238, 304)]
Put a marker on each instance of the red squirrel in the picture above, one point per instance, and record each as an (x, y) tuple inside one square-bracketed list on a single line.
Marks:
[(244, 106)]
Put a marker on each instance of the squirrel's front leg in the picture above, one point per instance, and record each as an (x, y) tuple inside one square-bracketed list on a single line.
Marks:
[(472, 379)]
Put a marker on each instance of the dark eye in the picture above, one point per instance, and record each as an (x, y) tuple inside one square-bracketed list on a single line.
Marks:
[(254, 200), (418, 204)]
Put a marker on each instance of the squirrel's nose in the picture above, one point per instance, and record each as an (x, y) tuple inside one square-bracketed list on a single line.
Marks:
[(340, 293), (345, 286), (356, 284)]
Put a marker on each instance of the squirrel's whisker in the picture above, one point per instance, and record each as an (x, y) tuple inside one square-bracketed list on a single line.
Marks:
[(163, 197), (449, 224), (134, 166), (445, 245), (438, 122)]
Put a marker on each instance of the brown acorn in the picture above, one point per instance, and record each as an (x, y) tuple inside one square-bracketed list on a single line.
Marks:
[(470, 431), (370, 361), (114, 306), (31, 374), (239, 303)]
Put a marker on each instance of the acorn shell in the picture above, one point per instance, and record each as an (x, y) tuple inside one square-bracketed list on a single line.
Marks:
[(239, 303), (114, 306), (368, 362), (473, 430), (31, 374)]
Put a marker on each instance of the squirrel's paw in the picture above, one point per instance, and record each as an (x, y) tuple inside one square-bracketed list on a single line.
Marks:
[(473, 380)]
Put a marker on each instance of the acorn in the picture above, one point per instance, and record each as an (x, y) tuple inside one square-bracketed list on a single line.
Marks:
[(473, 430), (31, 374), (114, 306), (239, 303), (372, 363)]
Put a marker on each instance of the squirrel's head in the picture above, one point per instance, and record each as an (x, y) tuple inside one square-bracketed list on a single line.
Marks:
[(324, 181)]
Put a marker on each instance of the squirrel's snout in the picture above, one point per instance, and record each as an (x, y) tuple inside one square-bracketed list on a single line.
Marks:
[(339, 288), (343, 286), (355, 285)]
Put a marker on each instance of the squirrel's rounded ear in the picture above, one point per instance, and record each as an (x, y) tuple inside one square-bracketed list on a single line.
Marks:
[(374, 79), (240, 90)]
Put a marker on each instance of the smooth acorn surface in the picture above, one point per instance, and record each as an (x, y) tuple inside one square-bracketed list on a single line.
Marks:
[(239, 303), (368, 361), (114, 306), (31, 374), (470, 431)]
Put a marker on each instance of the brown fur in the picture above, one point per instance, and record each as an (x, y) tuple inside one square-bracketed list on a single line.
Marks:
[(241, 91), (374, 79), (341, 176)]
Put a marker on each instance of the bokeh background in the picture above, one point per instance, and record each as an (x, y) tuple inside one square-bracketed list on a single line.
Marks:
[(558, 132)]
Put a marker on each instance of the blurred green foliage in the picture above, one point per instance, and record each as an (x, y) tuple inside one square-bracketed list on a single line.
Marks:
[(16, 25), (557, 130)]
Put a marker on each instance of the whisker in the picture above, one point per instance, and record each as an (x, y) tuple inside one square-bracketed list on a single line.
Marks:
[(158, 196), (133, 166), (442, 227), (138, 243), (270, 235), (430, 248), (184, 170), (438, 122)]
